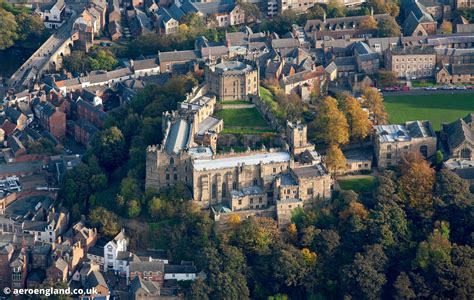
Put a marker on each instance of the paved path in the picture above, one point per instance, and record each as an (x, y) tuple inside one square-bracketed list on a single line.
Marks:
[(237, 106), (425, 92)]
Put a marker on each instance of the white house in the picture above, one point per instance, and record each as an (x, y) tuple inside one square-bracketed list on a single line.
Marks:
[(145, 67), (180, 272), (112, 249), (53, 14)]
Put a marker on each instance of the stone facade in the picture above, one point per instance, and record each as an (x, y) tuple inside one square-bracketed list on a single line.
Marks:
[(232, 182), (414, 62), (232, 80), (393, 142), (458, 136), (456, 74)]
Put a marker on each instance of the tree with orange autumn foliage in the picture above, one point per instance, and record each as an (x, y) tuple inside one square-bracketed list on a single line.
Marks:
[(417, 182)]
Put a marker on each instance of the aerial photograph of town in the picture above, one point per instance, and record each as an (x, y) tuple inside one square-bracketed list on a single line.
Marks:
[(236, 149)]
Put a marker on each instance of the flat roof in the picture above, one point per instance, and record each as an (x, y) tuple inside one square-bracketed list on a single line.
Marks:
[(232, 162)]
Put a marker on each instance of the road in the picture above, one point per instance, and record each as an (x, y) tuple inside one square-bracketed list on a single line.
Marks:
[(425, 92), (35, 64)]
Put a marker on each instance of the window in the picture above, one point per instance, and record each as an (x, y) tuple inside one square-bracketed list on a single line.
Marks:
[(260, 200), (465, 153), (240, 202), (214, 190), (224, 189), (424, 150), (251, 200), (389, 155), (234, 185), (175, 176), (389, 147), (171, 161), (309, 191), (167, 176), (255, 181)]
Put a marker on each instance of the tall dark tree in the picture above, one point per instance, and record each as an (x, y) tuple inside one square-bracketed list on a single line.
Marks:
[(109, 148), (365, 277)]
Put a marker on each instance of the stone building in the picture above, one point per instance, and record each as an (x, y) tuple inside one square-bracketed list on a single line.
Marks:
[(416, 62), (393, 142), (455, 74), (459, 137), (190, 132), (232, 80), (297, 136), (233, 182)]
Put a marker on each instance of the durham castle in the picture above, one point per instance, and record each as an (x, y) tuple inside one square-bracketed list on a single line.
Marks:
[(265, 180)]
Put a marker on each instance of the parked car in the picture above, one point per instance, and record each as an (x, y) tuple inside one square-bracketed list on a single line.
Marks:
[(461, 87), (448, 87), (431, 88)]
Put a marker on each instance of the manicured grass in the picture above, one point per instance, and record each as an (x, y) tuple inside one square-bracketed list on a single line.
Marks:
[(242, 117), (267, 97), (437, 108), (358, 185), (423, 83)]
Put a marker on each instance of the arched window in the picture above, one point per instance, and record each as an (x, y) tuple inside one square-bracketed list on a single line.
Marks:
[(466, 153), (424, 150), (214, 190)]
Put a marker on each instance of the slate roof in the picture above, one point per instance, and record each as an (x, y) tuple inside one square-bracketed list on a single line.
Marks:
[(305, 75), (61, 264), (178, 137), (418, 14), (465, 69), (150, 287), (459, 131), (173, 56), (146, 266), (145, 64), (47, 108), (180, 269), (96, 278), (310, 171), (13, 114), (285, 43)]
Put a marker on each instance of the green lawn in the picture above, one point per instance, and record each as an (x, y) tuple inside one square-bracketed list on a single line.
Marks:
[(358, 185), (423, 83), (267, 97), (437, 108), (243, 120)]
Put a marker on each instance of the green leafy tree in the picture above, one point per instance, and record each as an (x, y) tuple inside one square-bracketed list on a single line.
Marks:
[(365, 277), (388, 28), (133, 208), (105, 220), (436, 249), (99, 182), (102, 60), (8, 29), (109, 147), (256, 235), (316, 12), (76, 62)]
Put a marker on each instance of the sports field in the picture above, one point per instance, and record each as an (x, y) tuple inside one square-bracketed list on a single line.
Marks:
[(437, 108)]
